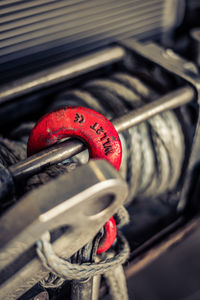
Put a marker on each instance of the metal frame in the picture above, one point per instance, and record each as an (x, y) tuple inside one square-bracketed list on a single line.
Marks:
[(62, 151), (187, 73), (189, 219)]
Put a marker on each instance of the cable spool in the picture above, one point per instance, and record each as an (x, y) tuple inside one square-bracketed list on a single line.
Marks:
[(153, 152)]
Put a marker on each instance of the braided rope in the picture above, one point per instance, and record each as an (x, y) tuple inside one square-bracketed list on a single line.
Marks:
[(69, 271), (150, 165), (122, 217)]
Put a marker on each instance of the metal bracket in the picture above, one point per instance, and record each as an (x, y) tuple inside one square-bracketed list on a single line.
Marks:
[(82, 200), (169, 61)]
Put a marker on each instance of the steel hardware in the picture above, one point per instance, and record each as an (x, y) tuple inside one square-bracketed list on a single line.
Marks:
[(64, 150), (91, 127), (184, 95), (94, 193), (188, 73)]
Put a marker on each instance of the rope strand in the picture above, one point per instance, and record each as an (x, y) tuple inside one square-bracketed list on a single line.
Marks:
[(69, 271)]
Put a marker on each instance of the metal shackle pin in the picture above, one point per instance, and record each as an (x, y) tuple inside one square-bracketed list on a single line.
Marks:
[(67, 149), (94, 130), (91, 127)]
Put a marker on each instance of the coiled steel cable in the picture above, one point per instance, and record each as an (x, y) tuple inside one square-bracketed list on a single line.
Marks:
[(153, 152)]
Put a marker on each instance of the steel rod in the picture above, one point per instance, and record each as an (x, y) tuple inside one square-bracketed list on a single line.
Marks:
[(171, 100), (69, 148), (60, 73)]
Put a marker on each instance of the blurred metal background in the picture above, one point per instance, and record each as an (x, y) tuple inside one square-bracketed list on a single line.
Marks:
[(36, 34)]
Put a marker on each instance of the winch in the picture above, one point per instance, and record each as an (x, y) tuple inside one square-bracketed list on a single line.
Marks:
[(99, 149)]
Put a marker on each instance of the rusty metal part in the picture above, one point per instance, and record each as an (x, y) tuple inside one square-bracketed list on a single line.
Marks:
[(69, 148)]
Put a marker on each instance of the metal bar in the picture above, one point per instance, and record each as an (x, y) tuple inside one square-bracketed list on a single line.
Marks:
[(60, 73), (65, 150), (53, 206), (172, 100), (45, 158), (56, 207)]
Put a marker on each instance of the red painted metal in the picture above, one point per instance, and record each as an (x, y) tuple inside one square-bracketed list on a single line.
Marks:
[(109, 236), (91, 127), (94, 130)]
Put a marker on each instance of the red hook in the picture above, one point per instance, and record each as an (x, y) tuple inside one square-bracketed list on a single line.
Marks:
[(94, 130)]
